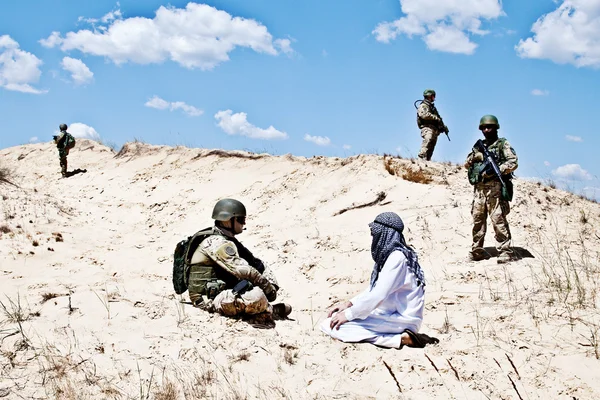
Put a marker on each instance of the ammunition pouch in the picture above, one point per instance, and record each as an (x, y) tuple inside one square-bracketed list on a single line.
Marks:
[(507, 189), (203, 280)]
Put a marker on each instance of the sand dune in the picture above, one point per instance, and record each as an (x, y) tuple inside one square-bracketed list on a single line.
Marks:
[(89, 310)]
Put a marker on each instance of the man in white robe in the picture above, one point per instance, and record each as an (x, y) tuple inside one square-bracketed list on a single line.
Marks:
[(390, 312)]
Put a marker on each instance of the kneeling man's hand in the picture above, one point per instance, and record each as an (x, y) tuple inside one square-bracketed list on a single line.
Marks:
[(338, 320)]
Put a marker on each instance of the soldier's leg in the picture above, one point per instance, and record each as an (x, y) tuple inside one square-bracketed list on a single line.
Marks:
[(431, 145), (479, 214), (252, 302), (499, 209), (63, 164), (427, 135)]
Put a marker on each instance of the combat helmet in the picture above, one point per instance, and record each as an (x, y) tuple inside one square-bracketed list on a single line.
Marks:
[(225, 209), (63, 127), (489, 120), (428, 92)]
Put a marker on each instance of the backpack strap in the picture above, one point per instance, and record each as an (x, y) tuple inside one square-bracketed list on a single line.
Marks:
[(195, 241)]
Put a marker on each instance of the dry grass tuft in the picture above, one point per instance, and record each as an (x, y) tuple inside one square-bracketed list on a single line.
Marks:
[(50, 296), (412, 173), (417, 176), (230, 154), (290, 356), (13, 310), (389, 166), (243, 356), (168, 391)]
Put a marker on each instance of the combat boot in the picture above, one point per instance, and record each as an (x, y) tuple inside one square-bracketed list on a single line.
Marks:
[(281, 310), (478, 256)]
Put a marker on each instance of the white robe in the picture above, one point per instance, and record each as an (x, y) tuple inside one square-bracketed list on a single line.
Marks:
[(380, 315)]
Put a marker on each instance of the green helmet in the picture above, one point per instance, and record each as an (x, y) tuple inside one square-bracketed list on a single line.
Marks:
[(63, 127), (225, 209), (489, 120), (428, 92)]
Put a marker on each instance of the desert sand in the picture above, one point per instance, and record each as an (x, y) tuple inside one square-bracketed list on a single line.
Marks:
[(88, 309)]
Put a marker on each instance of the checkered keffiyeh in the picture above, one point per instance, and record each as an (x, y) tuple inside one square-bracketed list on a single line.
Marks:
[(387, 237)]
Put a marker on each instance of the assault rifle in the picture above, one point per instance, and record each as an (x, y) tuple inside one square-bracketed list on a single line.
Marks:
[(489, 162)]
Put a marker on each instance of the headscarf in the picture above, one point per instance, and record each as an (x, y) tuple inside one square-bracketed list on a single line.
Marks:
[(387, 237)]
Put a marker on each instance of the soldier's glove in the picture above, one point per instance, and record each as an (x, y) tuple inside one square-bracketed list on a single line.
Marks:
[(478, 157), (213, 288), (270, 292)]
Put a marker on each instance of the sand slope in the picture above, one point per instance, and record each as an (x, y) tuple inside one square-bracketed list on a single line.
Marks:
[(93, 315)]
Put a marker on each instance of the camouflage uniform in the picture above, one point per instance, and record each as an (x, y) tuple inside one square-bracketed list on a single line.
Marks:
[(488, 201), (429, 121), (221, 254), (63, 151)]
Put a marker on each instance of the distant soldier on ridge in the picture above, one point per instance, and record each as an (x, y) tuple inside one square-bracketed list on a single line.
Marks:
[(64, 142), (430, 123)]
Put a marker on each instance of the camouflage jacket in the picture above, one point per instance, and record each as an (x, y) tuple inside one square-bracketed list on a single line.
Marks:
[(224, 254), (428, 116), (503, 153)]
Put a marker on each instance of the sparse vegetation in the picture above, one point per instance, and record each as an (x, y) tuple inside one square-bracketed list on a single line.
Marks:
[(417, 176), (5, 228)]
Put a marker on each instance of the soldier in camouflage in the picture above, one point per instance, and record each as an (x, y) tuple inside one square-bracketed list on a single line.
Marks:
[(230, 264), (430, 123), (489, 198), (64, 142)]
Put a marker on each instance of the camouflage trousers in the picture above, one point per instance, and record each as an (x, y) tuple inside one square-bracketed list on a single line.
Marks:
[(488, 201), (62, 156), (430, 137), (252, 302)]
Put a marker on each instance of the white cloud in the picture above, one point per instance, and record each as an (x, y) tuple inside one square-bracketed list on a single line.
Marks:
[(197, 36), (346, 147), (573, 138), (445, 25), (572, 172), (318, 140), (83, 131), (18, 68), (237, 124), (80, 73), (160, 104), (568, 35), (547, 163), (33, 139), (540, 92)]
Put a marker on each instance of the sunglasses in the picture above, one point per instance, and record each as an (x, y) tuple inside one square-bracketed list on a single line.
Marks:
[(241, 220)]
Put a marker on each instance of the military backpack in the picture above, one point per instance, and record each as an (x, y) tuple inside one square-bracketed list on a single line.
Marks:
[(184, 250)]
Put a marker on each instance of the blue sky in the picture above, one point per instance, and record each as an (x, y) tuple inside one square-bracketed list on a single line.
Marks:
[(331, 78)]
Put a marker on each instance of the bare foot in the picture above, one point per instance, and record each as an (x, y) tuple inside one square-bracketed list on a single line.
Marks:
[(406, 340)]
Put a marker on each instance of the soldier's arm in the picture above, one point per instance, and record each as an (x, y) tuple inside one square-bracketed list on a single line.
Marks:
[(510, 156), (426, 114), (472, 158), (225, 254)]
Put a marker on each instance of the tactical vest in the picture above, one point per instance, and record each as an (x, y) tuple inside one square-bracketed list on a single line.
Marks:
[(496, 149), (201, 275), (422, 123)]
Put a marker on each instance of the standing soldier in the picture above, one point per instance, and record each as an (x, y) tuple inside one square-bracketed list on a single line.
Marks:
[(64, 142), (430, 123), (492, 188)]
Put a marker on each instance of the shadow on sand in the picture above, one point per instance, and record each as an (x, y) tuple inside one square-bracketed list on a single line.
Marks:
[(75, 172), (519, 252)]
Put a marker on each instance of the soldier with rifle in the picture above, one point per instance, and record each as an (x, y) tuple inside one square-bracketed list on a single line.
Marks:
[(490, 165), (430, 123)]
